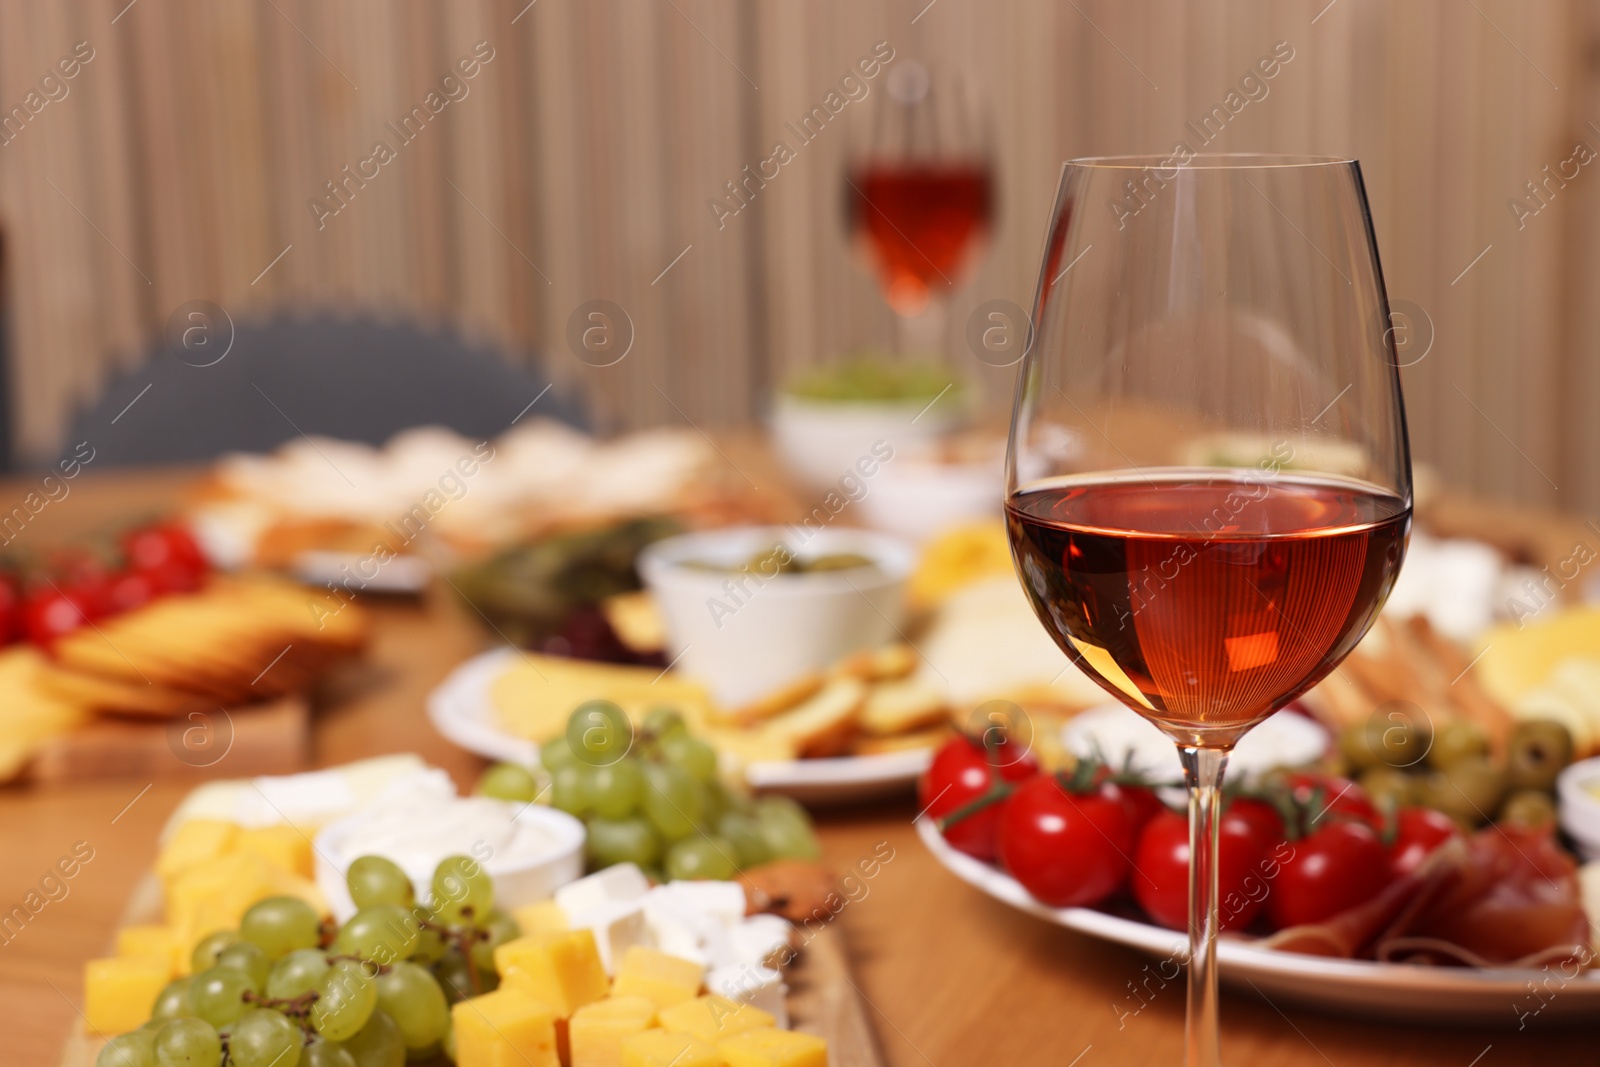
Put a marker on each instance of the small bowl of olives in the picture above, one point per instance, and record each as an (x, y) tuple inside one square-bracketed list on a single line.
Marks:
[(1578, 788)]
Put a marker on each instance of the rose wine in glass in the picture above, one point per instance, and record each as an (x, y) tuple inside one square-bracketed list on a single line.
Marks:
[(1212, 336)]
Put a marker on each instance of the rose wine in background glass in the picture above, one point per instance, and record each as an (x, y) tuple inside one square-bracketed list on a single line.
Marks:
[(919, 193), (1236, 507)]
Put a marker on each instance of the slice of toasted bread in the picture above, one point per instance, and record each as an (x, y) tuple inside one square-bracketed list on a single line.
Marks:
[(824, 724), (878, 664), (774, 703), (931, 737), (902, 705)]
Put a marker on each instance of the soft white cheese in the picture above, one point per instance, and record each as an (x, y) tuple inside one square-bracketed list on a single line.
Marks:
[(760, 987), (617, 926), (624, 883), (757, 938)]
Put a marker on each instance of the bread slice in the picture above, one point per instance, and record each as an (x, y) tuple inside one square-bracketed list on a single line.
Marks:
[(776, 702), (824, 724), (878, 664), (903, 705), (929, 738)]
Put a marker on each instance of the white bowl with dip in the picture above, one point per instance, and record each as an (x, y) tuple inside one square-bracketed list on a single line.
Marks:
[(528, 849), (1578, 790), (744, 635)]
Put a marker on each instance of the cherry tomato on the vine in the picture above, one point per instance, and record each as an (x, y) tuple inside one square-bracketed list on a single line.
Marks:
[(1066, 848), (1245, 843), (1339, 865), (962, 772), (1321, 796), (1418, 831)]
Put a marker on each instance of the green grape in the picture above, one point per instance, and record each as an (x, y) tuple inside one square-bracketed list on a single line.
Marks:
[(462, 890), (378, 1044), (323, 1053), (509, 781), (455, 978), (431, 943), (345, 1001), (173, 1000), (376, 880), (615, 789), (731, 798), (423, 1055), (382, 933), (630, 840), (556, 754), (188, 1042), (672, 801), (264, 1038), (692, 754), (497, 931), (448, 1045), (663, 723), (136, 1049), (787, 828), (246, 957), (599, 733), (411, 996), (749, 843), (702, 858), (296, 974), (570, 789), (205, 953), (218, 994), (279, 925)]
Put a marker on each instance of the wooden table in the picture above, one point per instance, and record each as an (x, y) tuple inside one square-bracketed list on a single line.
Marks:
[(954, 979)]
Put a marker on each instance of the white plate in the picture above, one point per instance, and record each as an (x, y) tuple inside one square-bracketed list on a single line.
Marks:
[(1393, 991), (461, 710)]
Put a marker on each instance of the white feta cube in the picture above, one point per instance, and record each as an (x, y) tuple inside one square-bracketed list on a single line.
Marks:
[(678, 930), (760, 987), (623, 883), (722, 901), (757, 938), (617, 926)]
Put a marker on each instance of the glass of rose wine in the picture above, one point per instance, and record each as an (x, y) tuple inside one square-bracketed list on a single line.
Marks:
[(1209, 482), (919, 193)]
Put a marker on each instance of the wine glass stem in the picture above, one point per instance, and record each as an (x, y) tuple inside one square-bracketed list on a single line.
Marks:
[(1203, 767)]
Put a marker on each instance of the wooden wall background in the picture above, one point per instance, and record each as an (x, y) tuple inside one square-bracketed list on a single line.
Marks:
[(579, 166)]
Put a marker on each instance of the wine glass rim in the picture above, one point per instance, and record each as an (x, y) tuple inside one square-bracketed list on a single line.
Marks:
[(1209, 161)]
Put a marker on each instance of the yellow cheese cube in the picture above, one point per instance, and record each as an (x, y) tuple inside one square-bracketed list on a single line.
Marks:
[(774, 1048), (657, 1048), (161, 941), (541, 917), (596, 1031), (561, 970), (194, 842), (714, 1018), (282, 846), (119, 993), (665, 980), (505, 1028)]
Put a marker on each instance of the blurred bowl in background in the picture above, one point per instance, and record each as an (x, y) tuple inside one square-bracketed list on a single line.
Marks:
[(821, 441), (743, 634), (926, 491)]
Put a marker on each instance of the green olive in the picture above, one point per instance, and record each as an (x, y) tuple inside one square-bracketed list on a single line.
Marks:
[(1531, 808), (1399, 736), (1354, 748), (1455, 741), (1537, 751), (1470, 790), (1389, 789)]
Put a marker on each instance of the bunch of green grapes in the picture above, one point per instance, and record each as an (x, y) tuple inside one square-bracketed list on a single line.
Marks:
[(655, 799), (285, 989)]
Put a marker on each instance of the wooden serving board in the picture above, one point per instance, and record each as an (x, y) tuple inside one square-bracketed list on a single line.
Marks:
[(823, 998), (268, 738)]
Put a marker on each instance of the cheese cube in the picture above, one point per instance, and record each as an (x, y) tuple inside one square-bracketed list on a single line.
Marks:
[(760, 987), (674, 929), (596, 1031), (118, 993), (665, 980), (713, 1018), (617, 927), (657, 1048), (755, 939), (774, 1048), (194, 842), (541, 917), (154, 941), (621, 883), (722, 901), (283, 846), (505, 1028), (561, 970)]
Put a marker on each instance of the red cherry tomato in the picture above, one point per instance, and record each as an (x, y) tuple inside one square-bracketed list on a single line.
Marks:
[(1418, 831), (962, 772), (1338, 866), (10, 610), (1143, 804), (50, 613), (1066, 848), (167, 552), (1160, 879), (132, 589), (1263, 816), (1321, 795)]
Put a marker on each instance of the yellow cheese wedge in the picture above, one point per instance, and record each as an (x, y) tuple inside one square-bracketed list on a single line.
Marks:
[(665, 980), (195, 842), (657, 1048), (1516, 658), (596, 1031), (562, 970), (541, 917), (506, 1028), (774, 1048), (713, 1018), (118, 992), (283, 846), (157, 941)]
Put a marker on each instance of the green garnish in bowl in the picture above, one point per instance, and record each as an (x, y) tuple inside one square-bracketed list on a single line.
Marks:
[(872, 378)]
